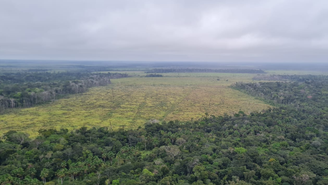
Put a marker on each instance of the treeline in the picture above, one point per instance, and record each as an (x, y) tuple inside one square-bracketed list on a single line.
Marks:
[(154, 75), (299, 78), (86, 68), (40, 66), (28, 89), (41, 77), (197, 70), (286, 145), (302, 91)]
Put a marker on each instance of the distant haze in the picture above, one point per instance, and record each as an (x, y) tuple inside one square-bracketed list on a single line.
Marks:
[(165, 30)]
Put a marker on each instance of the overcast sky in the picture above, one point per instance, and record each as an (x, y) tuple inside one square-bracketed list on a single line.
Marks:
[(165, 30)]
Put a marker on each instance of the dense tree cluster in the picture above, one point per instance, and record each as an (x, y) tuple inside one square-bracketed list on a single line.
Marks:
[(298, 78), (154, 75), (198, 70), (285, 145), (28, 89), (302, 91)]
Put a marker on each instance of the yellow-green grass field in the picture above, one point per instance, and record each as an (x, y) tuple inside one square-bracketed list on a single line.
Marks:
[(131, 102)]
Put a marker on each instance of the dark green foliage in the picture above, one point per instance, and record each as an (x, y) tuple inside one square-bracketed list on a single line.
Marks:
[(154, 75), (303, 91), (28, 89)]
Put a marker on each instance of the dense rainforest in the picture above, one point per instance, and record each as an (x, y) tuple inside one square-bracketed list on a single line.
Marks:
[(307, 91), (285, 145), (23, 89)]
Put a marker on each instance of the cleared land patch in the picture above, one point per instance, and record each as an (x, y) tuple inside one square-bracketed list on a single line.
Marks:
[(130, 102)]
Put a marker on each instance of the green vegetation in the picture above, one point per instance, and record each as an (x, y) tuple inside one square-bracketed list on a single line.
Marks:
[(131, 102), (302, 91), (28, 89), (153, 75), (183, 128), (283, 145)]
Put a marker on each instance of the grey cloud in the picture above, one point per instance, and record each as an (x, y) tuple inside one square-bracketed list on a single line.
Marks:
[(148, 30)]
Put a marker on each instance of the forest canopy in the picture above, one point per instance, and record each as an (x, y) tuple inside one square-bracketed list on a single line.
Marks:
[(24, 89)]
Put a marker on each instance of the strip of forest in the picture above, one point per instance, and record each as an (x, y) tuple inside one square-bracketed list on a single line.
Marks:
[(24, 89), (154, 75), (299, 91)]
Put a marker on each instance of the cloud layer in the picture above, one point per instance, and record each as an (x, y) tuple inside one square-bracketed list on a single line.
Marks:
[(170, 30)]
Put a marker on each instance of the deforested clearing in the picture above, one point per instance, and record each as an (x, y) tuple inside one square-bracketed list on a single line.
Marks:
[(130, 102)]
